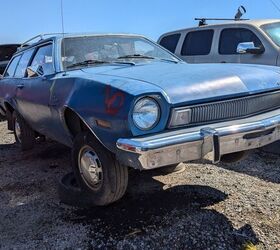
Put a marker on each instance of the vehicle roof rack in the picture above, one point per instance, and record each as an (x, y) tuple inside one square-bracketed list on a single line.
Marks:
[(37, 38), (202, 20), (240, 12)]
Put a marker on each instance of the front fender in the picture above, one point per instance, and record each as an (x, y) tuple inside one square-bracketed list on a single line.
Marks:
[(97, 104)]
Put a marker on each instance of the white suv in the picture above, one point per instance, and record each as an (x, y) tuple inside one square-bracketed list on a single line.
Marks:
[(251, 41)]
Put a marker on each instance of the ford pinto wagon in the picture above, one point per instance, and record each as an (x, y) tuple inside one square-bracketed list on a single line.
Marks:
[(123, 101)]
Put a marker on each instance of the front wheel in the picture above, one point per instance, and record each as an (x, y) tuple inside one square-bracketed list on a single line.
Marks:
[(101, 177)]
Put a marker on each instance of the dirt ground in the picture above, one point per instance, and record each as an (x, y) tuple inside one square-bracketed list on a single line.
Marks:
[(205, 207)]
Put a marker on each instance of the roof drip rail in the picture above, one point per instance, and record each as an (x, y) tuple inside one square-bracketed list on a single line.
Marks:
[(37, 38)]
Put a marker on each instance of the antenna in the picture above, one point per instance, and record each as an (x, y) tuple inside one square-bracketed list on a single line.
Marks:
[(275, 5), (62, 17), (62, 27)]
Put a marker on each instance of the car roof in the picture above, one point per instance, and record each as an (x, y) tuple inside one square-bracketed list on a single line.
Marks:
[(254, 22), (69, 35), (50, 37)]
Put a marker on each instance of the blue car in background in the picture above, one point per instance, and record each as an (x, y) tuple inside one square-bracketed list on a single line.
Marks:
[(123, 101)]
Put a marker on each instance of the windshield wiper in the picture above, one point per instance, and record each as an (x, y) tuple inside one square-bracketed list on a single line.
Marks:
[(87, 62), (122, 62), (136, 56), (169, 60)]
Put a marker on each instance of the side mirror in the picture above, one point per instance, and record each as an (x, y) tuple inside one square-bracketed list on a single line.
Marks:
[(35, 71), (249, 48), (1, 77)]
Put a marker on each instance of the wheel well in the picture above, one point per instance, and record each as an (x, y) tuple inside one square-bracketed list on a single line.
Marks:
[(9, 115), (9, 107), (73, 122)]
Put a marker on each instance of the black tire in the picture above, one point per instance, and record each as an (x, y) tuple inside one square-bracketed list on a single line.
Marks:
[(70, 193), (114, 177), (2, 114), (27, 138)]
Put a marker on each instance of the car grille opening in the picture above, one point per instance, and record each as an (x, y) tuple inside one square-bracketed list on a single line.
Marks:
[(234, 108)]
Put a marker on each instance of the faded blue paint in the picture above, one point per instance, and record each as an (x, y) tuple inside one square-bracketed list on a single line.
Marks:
[(109, 92)]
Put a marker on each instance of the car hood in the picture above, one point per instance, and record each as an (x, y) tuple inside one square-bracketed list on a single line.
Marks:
[(184, 82)]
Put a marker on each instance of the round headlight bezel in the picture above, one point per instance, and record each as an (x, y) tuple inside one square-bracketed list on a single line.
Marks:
[(158, 113)]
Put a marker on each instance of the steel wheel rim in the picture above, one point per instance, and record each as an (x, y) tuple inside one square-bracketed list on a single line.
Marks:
[(17, 131), (90, 168)]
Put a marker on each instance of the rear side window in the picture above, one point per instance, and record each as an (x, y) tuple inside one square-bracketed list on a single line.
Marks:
[(170, 42), (44, 58), (23, 63), (197, 43), (230, 38), (12, 67)]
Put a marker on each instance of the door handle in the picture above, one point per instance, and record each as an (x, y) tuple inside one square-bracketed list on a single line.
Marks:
[(20, 86)]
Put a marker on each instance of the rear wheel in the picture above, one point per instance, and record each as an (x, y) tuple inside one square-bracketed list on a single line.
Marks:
[(98, 173), (24, 134), (2, 117)]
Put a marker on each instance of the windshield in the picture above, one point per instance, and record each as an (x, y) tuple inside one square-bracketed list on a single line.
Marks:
[(78, 51), (273, 31)]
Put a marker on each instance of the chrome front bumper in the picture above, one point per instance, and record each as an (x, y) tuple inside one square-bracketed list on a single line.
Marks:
[(217, 139)]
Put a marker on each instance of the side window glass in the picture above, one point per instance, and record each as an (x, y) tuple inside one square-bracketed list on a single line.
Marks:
[(230, 38), (44, 58), (197, 43), (170, 42), (23, 63), (10, 71)]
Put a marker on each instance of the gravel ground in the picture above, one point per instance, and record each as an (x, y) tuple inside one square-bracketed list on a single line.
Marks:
[(205, 207)]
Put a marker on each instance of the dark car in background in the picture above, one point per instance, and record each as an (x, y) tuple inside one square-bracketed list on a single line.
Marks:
[(6, 53)]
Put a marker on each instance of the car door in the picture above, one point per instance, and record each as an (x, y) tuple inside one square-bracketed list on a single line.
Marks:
[(19, 75), (231, 37), (8, 82), (34, 96)]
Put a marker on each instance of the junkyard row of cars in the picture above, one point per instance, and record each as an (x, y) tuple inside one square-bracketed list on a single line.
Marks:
[(123, 101)]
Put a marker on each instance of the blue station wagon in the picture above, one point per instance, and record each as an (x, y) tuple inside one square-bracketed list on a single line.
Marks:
[(123, 101)]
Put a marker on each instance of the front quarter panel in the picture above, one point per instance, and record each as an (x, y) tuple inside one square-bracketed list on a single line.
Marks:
[(112, 102)]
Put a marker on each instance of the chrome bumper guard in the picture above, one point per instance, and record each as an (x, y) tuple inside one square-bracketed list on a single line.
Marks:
[(195, 143)]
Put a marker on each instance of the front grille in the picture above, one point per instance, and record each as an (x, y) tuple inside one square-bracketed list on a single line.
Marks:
[(234, 108)]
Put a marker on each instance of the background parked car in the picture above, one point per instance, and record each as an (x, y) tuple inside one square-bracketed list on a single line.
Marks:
[(246, 41), (6, 53)]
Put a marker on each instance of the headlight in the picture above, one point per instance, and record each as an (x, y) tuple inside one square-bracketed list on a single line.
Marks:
[(146, 113)]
